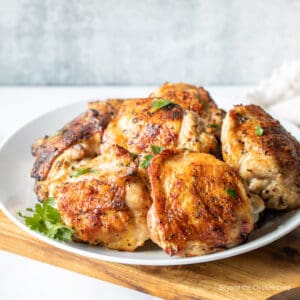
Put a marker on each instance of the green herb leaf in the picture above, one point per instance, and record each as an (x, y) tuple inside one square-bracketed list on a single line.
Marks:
[(157, 149), (146, 162), (46, 219), (216, 126), (232, 193), (147, 158), (258, 130), (158, 104), (82, 171)]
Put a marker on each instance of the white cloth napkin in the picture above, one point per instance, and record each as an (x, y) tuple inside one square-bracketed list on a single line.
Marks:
[(280, 93)]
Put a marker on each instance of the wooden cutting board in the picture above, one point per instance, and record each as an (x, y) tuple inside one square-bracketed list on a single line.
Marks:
[(255, 275)]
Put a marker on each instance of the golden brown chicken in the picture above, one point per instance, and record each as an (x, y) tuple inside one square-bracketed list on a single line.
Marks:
[(140, 124), (98, 195), (84, 133), (103, 167), (196, 99), (78, 141), (105, 202), (265, 154), (110, 106), (199, 205)]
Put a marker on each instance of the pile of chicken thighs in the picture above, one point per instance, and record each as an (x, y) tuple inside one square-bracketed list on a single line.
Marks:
[(173, 168)]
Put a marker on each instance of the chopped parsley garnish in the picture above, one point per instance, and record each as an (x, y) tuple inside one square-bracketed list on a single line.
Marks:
[(147, 158), (216, 126), (146, 162), (232, 193), (82, 171), (158, 104), (46, 219), (157, 149), (258, 130)]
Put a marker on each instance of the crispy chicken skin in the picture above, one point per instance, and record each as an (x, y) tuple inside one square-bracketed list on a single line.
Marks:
[(196, 99), (85, 130), (268, 161), (192, 212), (108, 213), (71, 159), (137, 127), (107, 204), (110, 106), (113, 162), (115, 189)]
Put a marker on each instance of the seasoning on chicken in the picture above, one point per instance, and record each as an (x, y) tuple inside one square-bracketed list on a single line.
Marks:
[(196, 99), (266, 156), (103, 167), (86, 131), (104, 202), (110, 106), (199, 204), (141, 123)]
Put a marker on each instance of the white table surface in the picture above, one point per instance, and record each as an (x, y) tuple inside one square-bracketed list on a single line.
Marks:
[(22, 278)]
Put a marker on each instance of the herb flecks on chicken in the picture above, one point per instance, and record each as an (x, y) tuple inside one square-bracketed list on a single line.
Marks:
[(108, 166), (200, 204), (265, 154)]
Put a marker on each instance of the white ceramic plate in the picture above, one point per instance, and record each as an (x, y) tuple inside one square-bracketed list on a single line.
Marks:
[(16, 194)]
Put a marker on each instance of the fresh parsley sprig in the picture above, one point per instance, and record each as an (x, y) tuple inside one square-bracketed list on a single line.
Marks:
[(146, 162), (157, 149), (46, 219), (82, 171), (158, 104), (147, 158), (259, 130)]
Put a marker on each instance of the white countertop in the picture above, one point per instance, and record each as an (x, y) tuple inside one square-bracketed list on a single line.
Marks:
[(22, 278)]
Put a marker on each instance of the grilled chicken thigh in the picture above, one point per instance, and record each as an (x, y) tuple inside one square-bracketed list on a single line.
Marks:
[(199, 205), (84, 133), (129, 170), (264, 153), (138, 125), (196, 99), (106, 203), (70, 147), (98, 195)]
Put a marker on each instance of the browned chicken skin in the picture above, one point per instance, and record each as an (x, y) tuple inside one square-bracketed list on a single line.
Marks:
[(110, 106), (108, 213), (99, 196), (199, 204), (86, 128), (196, 99), (137, 127), (265, 154), (107, 204), (92, 167)]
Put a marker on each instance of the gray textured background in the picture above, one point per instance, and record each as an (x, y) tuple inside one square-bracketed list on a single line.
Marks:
[(65, 42)]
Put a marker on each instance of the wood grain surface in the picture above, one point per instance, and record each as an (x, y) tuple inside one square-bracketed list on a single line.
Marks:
[(255, 275)]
